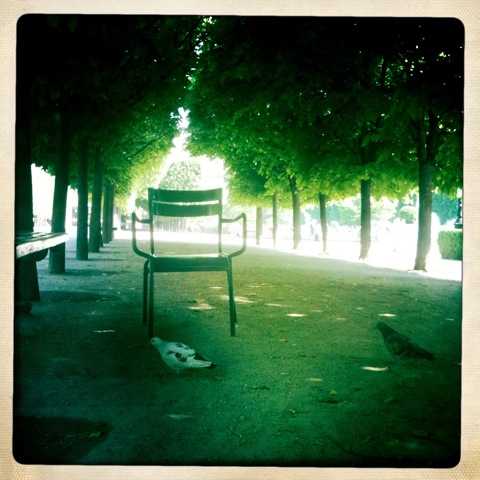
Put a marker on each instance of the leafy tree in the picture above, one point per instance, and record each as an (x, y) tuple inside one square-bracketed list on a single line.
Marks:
[(299, 96), (325, 103), (427, 71), (343, 214), (122, 76), (241, 61), (183, 175), (408, 213), (446, 208)]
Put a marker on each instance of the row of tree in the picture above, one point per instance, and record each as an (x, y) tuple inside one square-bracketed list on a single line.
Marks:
[(309, 109), (95, 101), (322, 108)]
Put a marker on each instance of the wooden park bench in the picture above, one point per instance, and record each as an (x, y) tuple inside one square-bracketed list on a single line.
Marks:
[(27, 243), (31, 247)]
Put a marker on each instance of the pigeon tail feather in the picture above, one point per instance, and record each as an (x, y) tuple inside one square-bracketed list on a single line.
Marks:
[(421, 353), (400, 345)]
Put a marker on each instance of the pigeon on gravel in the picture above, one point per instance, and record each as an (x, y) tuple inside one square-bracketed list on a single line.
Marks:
[(400, 345), (179, 356)]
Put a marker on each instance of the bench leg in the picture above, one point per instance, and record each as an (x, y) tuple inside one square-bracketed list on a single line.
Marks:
[(56, 260), (233, 311), (26, 280)]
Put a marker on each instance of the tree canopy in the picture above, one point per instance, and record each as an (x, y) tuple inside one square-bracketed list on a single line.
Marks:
[(309, 93), (295, 95), (296, 106), (322, 105), (119, 78)]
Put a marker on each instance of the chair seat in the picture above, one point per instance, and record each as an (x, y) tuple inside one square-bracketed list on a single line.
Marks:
[(191, 263)]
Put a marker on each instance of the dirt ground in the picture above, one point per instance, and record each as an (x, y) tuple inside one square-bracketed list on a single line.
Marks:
[(307, 381)]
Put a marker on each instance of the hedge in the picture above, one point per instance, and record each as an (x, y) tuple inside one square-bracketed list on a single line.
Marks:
[(450, 244)]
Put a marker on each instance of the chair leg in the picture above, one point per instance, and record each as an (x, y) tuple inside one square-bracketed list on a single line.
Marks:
[(150, 302), (145, 292), (233, 311)]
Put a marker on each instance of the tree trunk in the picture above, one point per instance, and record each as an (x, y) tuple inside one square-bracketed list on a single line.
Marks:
[(297, 217), (95, 239), (26, 279), (323, 220), (112, 213), (365, 219), (59, 211), (426, 155), (82, 218), (23, 171), (108, 204), (275, 218), (258, 224)]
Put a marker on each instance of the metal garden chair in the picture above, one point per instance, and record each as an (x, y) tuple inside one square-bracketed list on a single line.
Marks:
[(185, 204)]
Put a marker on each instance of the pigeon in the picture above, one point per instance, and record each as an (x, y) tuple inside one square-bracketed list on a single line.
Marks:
[(400, 345), (179, 356)]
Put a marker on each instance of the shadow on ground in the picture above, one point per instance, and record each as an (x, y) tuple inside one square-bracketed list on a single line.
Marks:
[(307, 381)]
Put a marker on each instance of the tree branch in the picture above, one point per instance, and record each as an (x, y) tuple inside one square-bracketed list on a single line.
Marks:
[(145, 147)]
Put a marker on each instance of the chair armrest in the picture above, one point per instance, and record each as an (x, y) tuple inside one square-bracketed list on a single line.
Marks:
[(135, 219), (242, 217)]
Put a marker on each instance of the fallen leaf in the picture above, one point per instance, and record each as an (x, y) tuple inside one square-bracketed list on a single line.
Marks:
[(375, 369), (179, 416)]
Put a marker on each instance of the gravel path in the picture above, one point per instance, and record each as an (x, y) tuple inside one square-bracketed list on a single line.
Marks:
[(307, 381)]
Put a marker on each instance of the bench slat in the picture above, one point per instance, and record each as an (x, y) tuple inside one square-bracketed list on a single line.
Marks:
[(27, 243)]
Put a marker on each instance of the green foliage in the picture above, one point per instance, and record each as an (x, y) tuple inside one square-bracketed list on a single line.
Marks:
[(343, 214), (325, 101), (328, 102), (123, 77), (450, 244), (445, 208), (247, 186), (347, 212), (408, 214), (183, 175)]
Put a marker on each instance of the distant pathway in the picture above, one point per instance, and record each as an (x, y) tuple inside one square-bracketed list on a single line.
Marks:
[(348, 250)]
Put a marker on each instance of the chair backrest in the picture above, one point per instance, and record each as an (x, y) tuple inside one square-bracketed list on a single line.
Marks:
[(186, 203)]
